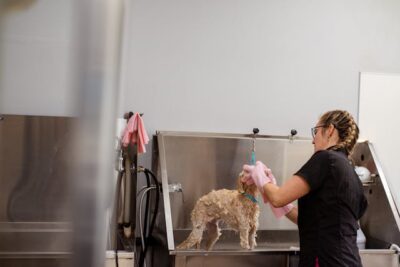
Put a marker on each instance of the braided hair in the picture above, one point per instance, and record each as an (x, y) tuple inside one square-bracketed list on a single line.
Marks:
[(346, 126)]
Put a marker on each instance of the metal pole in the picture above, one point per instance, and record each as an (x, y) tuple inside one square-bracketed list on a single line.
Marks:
[(96, 48)]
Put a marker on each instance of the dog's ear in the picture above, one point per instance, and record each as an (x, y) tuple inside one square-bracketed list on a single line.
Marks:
[(240, 185)]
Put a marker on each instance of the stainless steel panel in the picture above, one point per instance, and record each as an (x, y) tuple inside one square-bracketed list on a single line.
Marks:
[(380, 223), (379, 257), (42, 261), (33, 164), (35, 237), (369, 258), (232, 260), (35, 196), (267, 241)]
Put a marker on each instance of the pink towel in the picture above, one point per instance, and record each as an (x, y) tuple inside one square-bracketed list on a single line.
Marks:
[(135, 132), (279, 212)]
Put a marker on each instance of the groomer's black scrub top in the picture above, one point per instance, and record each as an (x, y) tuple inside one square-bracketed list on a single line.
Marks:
[(328, 214)]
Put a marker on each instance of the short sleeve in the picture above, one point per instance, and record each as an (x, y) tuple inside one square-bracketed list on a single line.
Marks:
[(315, 170)]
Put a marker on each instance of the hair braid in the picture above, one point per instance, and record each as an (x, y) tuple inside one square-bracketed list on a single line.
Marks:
[(346, 126)]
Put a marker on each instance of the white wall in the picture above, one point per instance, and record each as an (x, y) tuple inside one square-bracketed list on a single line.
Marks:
[(35, 49), (219, 66), (379, 120), (231, 65)]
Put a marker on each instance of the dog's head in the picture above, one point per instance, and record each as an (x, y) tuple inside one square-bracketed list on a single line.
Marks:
[(243, 187)]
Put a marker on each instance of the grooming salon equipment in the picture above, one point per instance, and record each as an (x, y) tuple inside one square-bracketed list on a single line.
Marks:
[(201, 162)]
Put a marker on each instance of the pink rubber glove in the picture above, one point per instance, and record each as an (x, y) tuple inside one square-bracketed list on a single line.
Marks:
[(268, 172), (247, 170), (256, 174), (261, 175), (279, 212)]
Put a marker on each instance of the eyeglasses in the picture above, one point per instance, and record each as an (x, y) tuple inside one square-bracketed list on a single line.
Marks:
[(314, 130)]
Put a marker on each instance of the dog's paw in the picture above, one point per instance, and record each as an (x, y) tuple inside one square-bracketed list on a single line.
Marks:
[(253, 244), (245, 245)]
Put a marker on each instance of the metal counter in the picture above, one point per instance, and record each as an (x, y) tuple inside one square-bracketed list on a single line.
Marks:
[(192, 164)]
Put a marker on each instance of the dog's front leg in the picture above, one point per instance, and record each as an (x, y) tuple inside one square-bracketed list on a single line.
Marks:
[(244, 237), (252, 237)]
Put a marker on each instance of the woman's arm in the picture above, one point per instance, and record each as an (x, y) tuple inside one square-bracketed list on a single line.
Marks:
[(293, 189), (292, 215)]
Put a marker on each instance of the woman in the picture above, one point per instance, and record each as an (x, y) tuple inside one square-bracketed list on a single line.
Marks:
[(329, 192)]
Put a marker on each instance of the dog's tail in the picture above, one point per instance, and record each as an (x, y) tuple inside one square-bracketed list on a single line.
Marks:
[(193, 239)]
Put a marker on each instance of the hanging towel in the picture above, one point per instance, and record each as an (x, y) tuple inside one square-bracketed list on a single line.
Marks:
[(135, 133)]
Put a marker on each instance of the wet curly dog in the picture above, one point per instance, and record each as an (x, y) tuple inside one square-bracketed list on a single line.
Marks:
[(238, 209)]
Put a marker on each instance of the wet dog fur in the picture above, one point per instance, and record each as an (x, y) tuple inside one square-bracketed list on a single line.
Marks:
[(230, 206)]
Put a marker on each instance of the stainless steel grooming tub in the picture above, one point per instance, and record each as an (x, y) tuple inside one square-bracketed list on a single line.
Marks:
[(192, 164)]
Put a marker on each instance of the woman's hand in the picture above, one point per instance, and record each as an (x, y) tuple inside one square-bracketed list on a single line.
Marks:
[(258, 174)]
